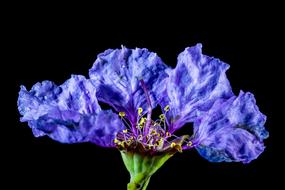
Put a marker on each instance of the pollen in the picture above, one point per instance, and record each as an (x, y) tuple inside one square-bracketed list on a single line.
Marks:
[(162, 117), (140, 110), (173, 144), (153, 132), (125, 131), (116, 141), (123, 144), (122, 114), (167, 134), (166, 108), (159, 142), (189, 143), (142, 121)]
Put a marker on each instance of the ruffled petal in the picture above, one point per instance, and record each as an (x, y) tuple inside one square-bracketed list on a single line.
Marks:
[(117, 75), (232, 130), (67, 113), (193, 86), (105, 127), (34, 103)]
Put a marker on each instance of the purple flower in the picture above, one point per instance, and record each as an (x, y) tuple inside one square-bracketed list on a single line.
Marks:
[(136, 81)]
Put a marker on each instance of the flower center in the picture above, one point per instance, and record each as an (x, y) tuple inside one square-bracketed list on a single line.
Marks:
[(147, 134)]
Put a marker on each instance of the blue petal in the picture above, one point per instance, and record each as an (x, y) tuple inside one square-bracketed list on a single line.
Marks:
[(232, 130), (34, 104), (104, 127), (117, 74), (193, 86), (65, 112)]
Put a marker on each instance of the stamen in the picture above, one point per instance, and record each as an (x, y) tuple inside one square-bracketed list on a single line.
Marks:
[(125, 131), (153, 132), (116, 141), (167, 134), (129, 141), (153, 135), (159, 142), (140, 110), (122, 114), (149, 108), (176, 146), (166, 108), (125, 121), (123, 143), (162, 117), (142, 121), (140, 137), (189, 143)]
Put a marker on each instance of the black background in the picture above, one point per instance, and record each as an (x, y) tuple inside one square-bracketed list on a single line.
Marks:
[(51, 42)]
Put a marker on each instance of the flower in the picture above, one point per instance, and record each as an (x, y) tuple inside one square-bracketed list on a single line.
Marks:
[(134, 82)]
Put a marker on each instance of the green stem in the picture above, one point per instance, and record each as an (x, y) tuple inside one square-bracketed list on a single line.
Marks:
[(138, 184), (141, 167)]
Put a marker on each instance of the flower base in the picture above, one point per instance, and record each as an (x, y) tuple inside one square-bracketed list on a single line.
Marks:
[(142, 166)]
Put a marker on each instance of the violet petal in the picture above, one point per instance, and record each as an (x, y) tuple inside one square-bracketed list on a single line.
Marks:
[(193, 86), (68, 113), (232, 130), (117, 74)]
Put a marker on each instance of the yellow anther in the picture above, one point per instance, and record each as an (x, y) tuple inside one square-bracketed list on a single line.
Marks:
[(166, 108), (125, 131), (159, 142), (142, 120), (129, 140), (116, 141), (123, 143), (173, 144), (153, 132), (189, 143), (122, 114), (167, 134), (140, 110), (149, 146), (162, 117), (158, 134), (139, 137)]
